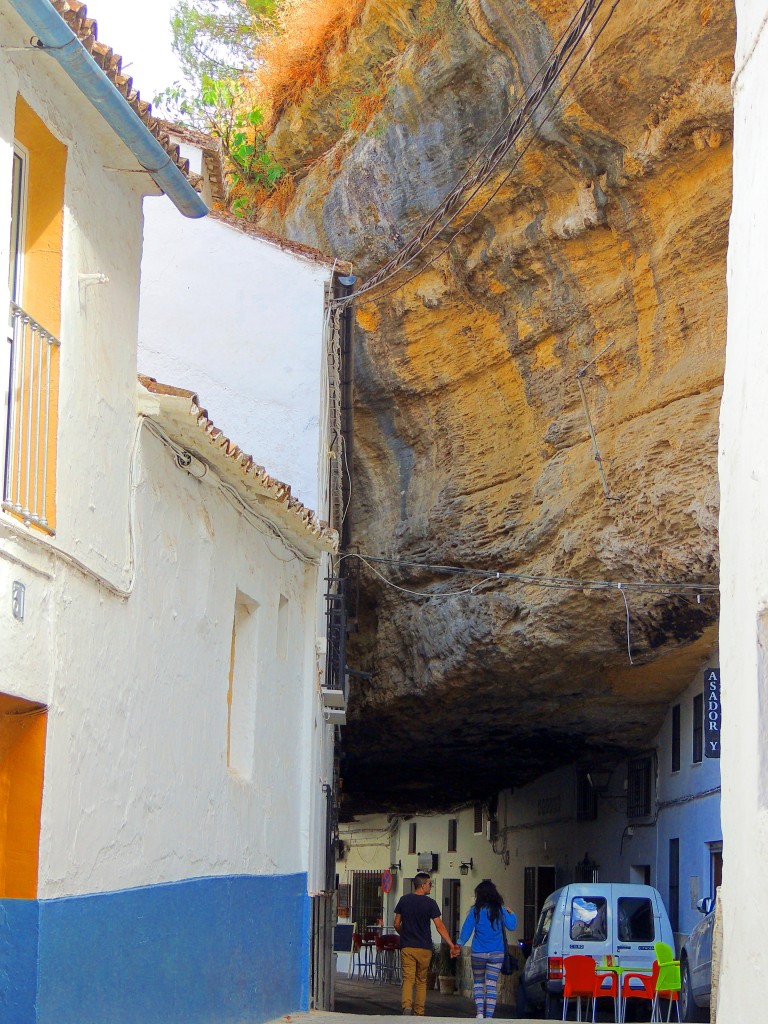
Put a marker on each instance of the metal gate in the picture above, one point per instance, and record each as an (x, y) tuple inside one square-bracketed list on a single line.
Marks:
[(367, 906), (321, 952)]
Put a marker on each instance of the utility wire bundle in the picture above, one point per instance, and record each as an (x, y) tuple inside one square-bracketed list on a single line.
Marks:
[(469, 185)]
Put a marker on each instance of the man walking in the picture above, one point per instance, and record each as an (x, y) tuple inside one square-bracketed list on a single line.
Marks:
[(414, 914)]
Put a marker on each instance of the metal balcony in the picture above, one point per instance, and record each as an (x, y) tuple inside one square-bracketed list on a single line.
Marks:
[(29, 447)]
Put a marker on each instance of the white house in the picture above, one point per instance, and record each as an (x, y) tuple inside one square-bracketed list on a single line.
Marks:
[(165, 757), (744, 540), (240, 316)]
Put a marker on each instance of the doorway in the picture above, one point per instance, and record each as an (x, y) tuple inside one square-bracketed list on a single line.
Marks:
[(451, 908), (22, 753)]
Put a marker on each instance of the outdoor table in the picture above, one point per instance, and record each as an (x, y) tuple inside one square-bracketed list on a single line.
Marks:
[(620, 970)]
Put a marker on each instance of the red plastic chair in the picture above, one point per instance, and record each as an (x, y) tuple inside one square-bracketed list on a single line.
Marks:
[(645, 990), (606, 987), (355, 960), (580, 982)]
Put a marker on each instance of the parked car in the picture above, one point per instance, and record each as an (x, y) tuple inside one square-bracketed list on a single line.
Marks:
[(696, 966), (622, 920)]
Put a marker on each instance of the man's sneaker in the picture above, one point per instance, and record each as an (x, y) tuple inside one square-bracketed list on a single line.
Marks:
[(407, 1011), (479, 1017)]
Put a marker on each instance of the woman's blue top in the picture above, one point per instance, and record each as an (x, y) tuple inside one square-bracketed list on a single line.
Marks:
[(488, 937)]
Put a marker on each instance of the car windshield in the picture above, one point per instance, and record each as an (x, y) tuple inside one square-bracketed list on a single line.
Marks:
[(635, 919), (588, 919)]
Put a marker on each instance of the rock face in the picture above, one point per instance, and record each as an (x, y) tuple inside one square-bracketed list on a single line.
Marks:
[(604, 248)]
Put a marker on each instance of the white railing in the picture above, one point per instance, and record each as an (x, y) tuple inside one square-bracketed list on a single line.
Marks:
[(29, 446)]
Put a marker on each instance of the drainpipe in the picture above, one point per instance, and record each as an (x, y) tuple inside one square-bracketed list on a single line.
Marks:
[(57, 38), (345, 286)]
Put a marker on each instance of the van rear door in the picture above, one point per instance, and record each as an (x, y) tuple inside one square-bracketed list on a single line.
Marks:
[(637, 928), (588, 924)]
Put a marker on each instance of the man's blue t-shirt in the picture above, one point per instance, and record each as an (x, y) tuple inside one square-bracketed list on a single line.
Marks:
[(417, 913)]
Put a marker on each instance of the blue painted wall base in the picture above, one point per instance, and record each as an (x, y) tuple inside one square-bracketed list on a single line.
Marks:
[(223, 950)]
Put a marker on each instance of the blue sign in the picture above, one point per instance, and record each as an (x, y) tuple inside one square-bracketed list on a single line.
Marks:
[(713, 712)]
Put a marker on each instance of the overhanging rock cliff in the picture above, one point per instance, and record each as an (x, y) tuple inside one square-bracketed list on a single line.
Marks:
[(605, 248)]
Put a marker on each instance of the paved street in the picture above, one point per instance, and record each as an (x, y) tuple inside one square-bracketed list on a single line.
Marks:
[(365, 1002)]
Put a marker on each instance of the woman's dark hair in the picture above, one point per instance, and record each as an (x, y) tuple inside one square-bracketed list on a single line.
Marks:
[(487, 895)]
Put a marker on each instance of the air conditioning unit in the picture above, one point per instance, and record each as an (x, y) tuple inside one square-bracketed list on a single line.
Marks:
[(333, 698), (335, 716), (427, 862)]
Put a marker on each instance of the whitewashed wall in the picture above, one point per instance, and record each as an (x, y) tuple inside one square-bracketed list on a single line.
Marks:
[(137, 685), (137, 785), (744, 539), (102, 232), (239, 321)]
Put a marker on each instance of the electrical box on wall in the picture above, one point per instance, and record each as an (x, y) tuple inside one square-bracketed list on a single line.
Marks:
[(427, 862), (491, 829)]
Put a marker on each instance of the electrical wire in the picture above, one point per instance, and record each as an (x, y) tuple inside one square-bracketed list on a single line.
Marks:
[(553, 66), (229, 492), (498, 187), (667, 588), (411, 250)]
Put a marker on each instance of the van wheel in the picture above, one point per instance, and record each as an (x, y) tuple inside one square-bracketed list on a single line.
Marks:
[(553, 1007), (689, 1011)]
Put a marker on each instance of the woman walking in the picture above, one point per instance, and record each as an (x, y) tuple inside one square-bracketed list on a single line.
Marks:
[(485, 920)]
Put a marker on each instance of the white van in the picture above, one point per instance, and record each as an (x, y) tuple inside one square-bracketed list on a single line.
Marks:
[(598, 919)]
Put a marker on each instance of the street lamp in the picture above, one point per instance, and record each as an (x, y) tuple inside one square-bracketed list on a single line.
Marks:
[(466, 866)]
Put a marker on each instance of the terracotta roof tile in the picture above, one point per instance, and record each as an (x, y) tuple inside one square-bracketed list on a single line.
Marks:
[(76, 16), (188, 423)]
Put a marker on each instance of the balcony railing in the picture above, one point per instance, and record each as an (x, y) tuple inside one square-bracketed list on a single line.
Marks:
[(30, 446)]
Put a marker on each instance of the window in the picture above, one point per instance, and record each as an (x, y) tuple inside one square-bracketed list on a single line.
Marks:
[(635, 919), (586, 798), (283, 621), (30, 363), (715, 867), (698, 728), (674, 884), (589, 919), (412, 837), (639, 787), (345, 896), (241, 694), (542, 928), (675, 752), (367, 911), (453, 827), (478, 824)]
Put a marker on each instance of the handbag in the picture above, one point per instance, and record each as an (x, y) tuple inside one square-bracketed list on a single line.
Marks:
[(508, 966)]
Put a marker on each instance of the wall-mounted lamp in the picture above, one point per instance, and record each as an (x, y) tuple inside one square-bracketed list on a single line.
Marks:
[(466, 866), (394, 868), (599, 779)]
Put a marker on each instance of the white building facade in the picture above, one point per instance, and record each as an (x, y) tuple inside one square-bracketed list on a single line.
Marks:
[(164, 753), (744, 540)]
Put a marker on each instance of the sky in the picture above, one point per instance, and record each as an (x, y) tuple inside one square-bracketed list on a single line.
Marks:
[(139, 30)]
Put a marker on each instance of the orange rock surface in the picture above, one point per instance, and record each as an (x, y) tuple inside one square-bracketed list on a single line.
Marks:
[(604, 248)]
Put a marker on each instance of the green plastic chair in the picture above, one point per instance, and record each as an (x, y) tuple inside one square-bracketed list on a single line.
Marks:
[(664, 953), (667, 981)]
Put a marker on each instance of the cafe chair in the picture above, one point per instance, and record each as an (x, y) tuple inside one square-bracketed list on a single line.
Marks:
[(387, 966), (644, 987), (606, 987), (667, 982), (355, 961), (580, 981)]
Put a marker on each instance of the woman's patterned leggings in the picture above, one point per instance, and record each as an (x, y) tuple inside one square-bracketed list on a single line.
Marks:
[(486, 968)]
